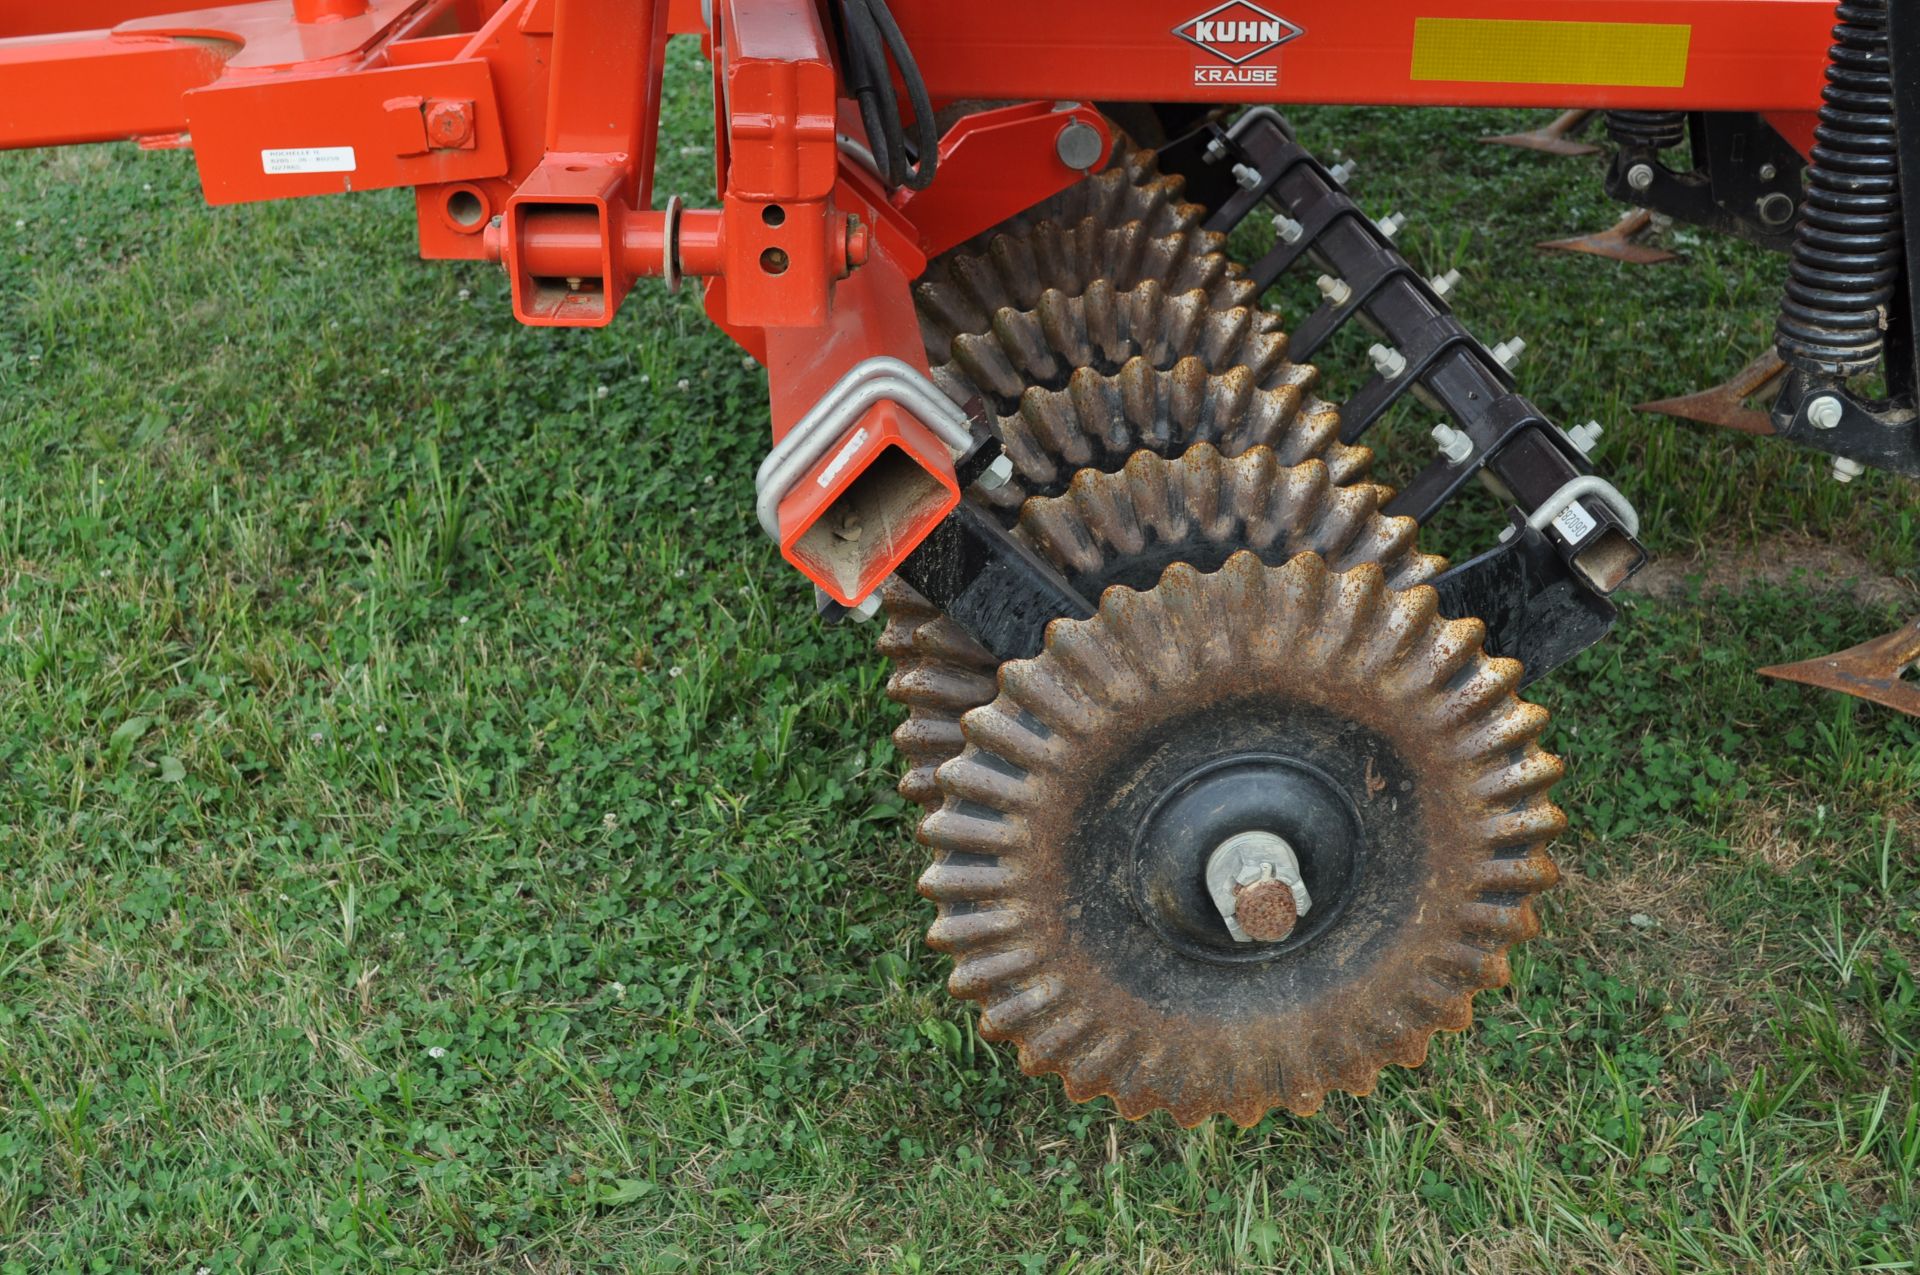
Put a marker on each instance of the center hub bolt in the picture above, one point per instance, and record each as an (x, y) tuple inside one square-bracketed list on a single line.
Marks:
[(1266, 910), (1255, 881)]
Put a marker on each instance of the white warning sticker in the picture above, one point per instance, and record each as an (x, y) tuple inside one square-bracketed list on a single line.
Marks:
[(308, 159), (832, 471), (1575, 523)]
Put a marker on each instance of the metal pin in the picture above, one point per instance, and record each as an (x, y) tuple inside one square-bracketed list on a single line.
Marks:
[(996, 475)]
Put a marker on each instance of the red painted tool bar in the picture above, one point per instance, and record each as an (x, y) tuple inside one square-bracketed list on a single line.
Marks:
[(1682, 54)]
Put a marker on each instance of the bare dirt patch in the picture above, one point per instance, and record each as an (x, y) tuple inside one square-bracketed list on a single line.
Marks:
[(1791, 563)]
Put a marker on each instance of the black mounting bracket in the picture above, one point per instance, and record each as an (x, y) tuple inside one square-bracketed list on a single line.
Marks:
[(1745, 179), (1580, 542)]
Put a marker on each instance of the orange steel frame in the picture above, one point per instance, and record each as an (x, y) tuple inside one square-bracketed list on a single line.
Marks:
[(527, 129)]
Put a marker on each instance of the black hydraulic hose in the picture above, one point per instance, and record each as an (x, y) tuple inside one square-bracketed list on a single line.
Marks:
[(869, 38)]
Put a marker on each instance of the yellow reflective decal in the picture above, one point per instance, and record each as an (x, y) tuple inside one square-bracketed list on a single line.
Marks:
[(1646, 55)]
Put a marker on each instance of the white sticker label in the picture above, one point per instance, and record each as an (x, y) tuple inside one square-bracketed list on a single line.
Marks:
[(1575, 523), (832, 471), (308, 159)]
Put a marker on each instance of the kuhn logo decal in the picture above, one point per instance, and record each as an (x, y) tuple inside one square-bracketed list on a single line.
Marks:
[(1237, 33)]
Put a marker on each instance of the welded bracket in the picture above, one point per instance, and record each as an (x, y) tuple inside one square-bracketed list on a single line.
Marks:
[(1746, 179)]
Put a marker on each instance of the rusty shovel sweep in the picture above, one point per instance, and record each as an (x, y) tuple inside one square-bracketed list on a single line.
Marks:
[(1875, 671)]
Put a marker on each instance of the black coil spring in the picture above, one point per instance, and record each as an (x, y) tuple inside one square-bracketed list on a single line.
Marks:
[(1847, 254), (1655, 130)]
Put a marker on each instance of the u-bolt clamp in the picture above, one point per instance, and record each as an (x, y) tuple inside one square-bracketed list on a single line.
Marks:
[(1586, 485), (881, 379)]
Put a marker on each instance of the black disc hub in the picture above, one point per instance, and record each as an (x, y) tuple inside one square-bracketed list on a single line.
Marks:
[(1243, 792)]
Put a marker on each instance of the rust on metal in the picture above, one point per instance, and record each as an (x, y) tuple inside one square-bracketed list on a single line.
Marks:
[(1879, 671), (1266, 910), (1725, 405), (1123, 227), (1617, 243), (1085, 376), (1110, 527), (1555, 138), (1299, 669)]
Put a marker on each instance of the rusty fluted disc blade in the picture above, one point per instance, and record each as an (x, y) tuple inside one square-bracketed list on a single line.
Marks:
[(1104, 328), (1167, 349), (1098, 421), (1118, 229), (1374, 736), (1125, 527), (961, 293), (1875, 671)]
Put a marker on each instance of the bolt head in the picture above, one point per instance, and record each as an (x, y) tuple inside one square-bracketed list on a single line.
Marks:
[(1640, 176), (859, 242), (1079, 146), (1826, 412), (1846, 469), (998, 474), (1266, 910), (1455, 445), (449, 124)]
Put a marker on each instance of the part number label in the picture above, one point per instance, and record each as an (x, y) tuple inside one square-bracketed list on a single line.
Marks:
[(852, 445), (1575, 523), (308, 159)]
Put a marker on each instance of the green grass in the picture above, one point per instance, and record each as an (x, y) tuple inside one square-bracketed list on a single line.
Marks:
[(435, 835)]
